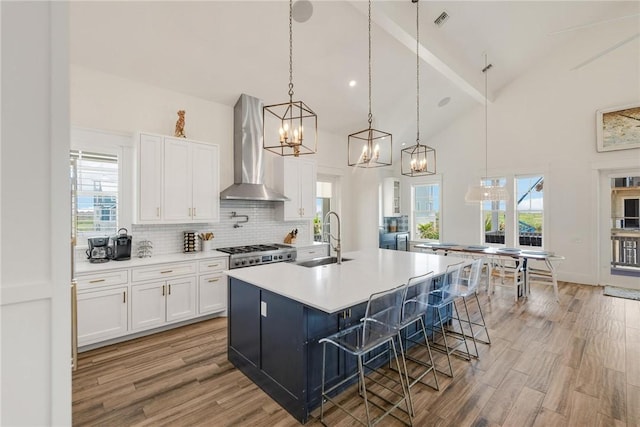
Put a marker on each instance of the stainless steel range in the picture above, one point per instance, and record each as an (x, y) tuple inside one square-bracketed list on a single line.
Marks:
[(250, 255)]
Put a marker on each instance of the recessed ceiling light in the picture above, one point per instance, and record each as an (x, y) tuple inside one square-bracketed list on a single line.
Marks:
[(444, 101), (352, 83)]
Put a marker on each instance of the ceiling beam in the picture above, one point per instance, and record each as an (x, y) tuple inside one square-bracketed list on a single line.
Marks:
[(409, 41)]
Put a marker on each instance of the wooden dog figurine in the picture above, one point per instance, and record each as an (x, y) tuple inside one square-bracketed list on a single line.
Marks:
[(180, 125)]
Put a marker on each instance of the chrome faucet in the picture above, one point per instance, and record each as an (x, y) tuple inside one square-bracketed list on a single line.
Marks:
[(330, 236)]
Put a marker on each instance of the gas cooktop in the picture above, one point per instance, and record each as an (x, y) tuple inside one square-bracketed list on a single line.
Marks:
[(250, 255)]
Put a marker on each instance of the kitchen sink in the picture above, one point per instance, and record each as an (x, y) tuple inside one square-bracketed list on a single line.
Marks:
[(316, 262)]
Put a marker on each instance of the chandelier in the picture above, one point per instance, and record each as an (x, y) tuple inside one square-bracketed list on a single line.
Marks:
[(486, 191), (293, 125), (419, 159), (370, 148)]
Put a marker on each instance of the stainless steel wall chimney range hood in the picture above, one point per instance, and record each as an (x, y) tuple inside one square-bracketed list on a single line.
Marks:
[(248, 168)]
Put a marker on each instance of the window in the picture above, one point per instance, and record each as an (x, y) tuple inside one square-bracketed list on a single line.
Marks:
[(327, 199), (425, 211), (529, 209), (94, 187), (494, 215)]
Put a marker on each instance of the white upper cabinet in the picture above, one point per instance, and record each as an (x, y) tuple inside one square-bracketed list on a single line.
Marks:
[(177, 180), (149, 178), (296, 179)]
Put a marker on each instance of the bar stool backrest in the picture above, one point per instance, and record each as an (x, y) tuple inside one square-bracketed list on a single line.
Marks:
[(419, 287), (474, 275), (383, 312)]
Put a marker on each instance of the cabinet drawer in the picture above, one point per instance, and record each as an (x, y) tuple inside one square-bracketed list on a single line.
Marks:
[(106, 278), (311, 252), (213, 265), (163, 271)]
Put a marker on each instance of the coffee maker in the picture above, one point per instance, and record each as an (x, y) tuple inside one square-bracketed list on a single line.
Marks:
[(120, 246), (99, 250)]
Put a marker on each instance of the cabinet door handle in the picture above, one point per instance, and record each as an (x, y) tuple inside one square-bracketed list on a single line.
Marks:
[(213, 280), (189, 211), (124, 297), (97, 281), (158, 212), (167, 271), (162, 290), (194, 211), (169, 289)]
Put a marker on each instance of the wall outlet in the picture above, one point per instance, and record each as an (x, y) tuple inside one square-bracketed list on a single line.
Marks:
[(263, 308)]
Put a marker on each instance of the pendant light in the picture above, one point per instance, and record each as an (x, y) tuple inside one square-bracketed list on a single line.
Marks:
[(419, 159), (484, 191), (370, 148), (290, 128)]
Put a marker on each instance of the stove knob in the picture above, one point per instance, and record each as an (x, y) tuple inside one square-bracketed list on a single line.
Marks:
[(236, 263), (288, 255), (244, 262), (250, 261)]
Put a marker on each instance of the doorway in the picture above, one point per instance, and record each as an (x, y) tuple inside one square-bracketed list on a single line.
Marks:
[(619, 232)]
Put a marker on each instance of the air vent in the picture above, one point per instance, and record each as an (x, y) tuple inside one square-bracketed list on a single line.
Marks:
[(440, 20)]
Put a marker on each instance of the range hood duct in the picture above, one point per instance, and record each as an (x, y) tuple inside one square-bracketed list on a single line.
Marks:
[(248, 168)]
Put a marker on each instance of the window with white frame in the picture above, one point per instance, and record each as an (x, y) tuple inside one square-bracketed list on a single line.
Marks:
[(529, 209), (425, 211), (494, 215), (94, 187)]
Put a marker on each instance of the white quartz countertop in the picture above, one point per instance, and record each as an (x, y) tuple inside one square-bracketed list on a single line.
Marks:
[(83, 266), (334, 287)]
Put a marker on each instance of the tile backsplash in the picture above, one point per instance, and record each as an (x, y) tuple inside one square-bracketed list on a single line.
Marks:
[(263, 227)]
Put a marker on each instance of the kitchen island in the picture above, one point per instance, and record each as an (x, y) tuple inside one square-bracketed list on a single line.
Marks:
[(279, 312)]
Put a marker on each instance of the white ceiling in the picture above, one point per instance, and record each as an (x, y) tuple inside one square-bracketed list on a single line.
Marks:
[(217, 50)]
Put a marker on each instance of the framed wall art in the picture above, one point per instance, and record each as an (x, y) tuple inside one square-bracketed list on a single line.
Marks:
[(618, 128)]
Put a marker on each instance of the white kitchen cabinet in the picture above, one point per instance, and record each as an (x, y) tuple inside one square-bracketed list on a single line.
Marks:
[(180, 184), (149, 176), (296, 179), (102, 314), (391, 197), (156, 303), (212, 286)]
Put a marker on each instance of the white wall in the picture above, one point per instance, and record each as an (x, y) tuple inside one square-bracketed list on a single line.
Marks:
[(34, 216), (545, 122)]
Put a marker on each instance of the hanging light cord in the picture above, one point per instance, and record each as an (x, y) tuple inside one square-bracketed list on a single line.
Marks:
[(370, 117), (417, 74), (290, 50), (486, 120)]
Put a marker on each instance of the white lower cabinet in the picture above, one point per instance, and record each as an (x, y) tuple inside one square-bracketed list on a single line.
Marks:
[(116, 303), (102, 314), (213, 293), (156, 303)]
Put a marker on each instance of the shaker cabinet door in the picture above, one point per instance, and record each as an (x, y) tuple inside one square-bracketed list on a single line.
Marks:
[(205, 186), (149, 176), (148, 308), (181, 299), (101, 315), (177, 180)]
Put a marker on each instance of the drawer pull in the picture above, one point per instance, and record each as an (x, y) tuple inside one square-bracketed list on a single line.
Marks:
[(97, 281), (214, 280), (213, 265), (165, 272)]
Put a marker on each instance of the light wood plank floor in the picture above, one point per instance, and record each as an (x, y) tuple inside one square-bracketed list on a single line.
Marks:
[(576, 363)]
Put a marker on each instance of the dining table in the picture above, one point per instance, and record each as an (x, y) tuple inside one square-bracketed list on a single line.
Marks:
[(549, 258)]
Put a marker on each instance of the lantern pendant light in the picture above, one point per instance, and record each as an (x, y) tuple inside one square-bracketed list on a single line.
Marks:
[(370, 148), (290, 128), (419, 159), (484, 191)]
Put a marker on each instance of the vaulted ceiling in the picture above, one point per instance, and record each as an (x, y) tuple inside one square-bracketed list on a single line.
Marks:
[(217, 50)]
